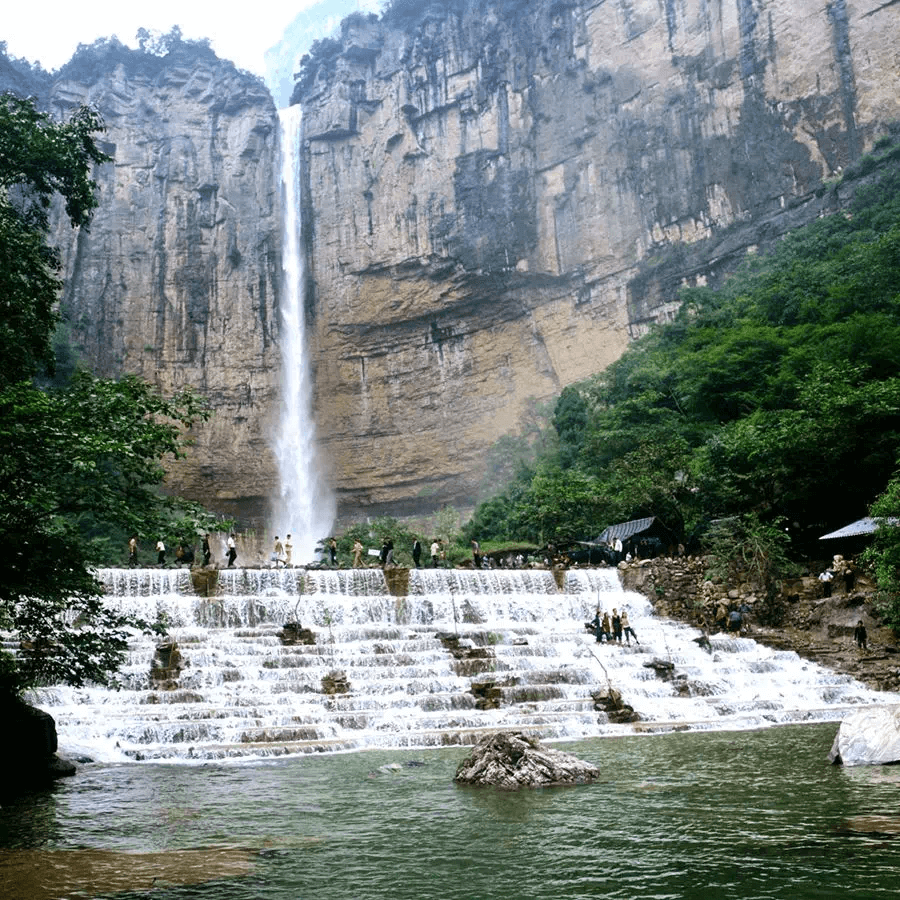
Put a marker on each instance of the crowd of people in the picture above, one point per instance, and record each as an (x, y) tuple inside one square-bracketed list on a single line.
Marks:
[(282, 553), (184, 552)]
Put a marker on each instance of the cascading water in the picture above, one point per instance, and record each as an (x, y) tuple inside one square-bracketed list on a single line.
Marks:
[(305, 507), (462, 653)]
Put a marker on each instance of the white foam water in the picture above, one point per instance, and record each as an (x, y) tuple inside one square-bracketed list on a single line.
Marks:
[(244, 694), (305, 506)]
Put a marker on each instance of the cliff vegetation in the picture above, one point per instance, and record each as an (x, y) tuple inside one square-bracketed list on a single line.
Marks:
[(773, 399), (499, 196)]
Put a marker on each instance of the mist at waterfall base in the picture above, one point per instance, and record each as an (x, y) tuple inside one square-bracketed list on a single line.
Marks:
[(247, 755), (305, 507)]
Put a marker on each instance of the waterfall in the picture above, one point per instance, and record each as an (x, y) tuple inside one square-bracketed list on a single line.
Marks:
[(462, 653), (305, 506)]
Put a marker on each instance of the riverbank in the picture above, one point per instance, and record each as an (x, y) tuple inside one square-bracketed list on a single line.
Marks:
[(815, 627)]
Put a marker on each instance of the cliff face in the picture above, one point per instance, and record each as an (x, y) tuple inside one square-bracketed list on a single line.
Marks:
[(175, 279), (500, 194)]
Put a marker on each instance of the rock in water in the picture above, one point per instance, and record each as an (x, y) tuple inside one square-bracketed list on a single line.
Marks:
[(869, 737), (514, 760), (28, 757)]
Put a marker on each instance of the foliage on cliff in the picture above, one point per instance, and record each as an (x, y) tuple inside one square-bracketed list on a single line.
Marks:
[(776, 395), (81, 458), (884, 552), (157, 53), (20, 74), (37, 160)]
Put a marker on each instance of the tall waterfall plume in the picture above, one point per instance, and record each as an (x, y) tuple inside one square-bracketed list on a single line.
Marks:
[(305, 507)]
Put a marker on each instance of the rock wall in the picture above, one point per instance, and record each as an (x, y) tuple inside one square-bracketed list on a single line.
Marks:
[(175, 280), (500, 194)]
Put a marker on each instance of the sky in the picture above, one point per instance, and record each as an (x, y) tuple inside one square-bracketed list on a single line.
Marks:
[(48, 31)]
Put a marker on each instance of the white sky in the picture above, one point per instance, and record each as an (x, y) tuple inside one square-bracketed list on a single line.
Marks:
[(48, 31)]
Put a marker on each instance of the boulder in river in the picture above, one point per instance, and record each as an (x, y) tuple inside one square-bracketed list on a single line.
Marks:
[(513, 760), (28, 751), (868, 737)]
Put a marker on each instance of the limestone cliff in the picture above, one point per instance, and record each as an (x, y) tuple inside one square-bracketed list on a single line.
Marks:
[(498, 196), (501, 193), (176, 278)]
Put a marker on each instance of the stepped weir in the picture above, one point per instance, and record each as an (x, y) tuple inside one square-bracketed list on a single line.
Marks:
[(461, 654)]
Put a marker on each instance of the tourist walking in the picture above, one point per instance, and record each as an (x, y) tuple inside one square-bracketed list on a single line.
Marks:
[(627, 630), (601, 626), (826, 578), (184, 555), (417, 552), (722, 616), (357, 554), (861, 636), (288, 550), (207, 550), (596, 625), (232, 550), (277, 552), (332, 552), (133, 551), (160, 553), (387, 553), (435, 553)]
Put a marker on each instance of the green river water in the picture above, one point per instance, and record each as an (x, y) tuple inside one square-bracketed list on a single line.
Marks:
[(727, 814)]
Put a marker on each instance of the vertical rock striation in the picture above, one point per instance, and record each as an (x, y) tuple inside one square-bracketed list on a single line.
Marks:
[(500, 194), (176, 278)]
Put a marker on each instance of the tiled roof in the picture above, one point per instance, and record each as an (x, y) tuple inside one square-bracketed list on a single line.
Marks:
[(866, 525), (624, 530)]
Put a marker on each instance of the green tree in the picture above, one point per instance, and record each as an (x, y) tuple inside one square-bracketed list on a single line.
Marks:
[(570, 419), (39, 159), (559, 506), (372, 534), (777, 393), (80, 459), (748, 548), (884, 552), (446, 524)]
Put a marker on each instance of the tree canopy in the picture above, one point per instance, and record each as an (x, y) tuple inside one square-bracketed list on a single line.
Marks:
[(83, 459), (39, 159)]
